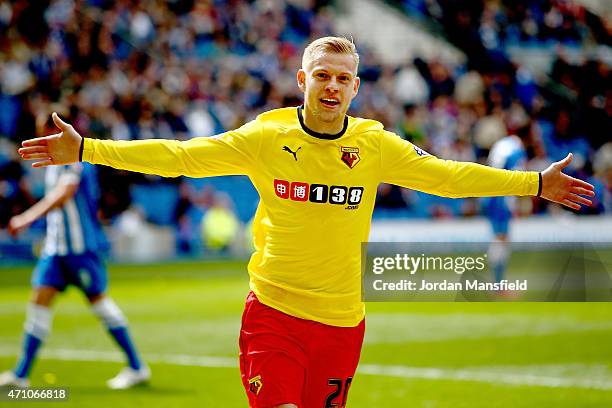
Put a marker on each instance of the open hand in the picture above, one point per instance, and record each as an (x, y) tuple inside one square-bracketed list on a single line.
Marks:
[(60, 148), (563, 189)]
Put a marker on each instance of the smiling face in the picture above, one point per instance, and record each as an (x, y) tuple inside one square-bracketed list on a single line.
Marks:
[(329, 82)]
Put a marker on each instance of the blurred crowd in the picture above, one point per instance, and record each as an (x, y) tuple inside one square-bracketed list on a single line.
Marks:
[(469, 107), (502, 22), (180, 69)]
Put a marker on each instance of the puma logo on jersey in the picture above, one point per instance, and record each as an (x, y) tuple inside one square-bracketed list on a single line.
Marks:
[(286, 149)]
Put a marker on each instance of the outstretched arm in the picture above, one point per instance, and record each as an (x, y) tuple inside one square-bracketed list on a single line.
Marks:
[(53, 199), (231, 153), (410, 167)]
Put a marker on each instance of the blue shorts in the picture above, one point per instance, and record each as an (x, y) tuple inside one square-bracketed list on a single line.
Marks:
[(85, 271), (499, 214)]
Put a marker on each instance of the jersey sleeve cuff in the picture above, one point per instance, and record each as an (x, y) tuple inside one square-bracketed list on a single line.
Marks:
[(532, 184), (87, 149)]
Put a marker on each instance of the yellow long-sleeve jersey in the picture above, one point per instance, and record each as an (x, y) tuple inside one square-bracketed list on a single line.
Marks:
[(317, 194)]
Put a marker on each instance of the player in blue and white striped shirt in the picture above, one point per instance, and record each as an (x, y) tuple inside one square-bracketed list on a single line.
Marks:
[(70, 256), (507, 153)]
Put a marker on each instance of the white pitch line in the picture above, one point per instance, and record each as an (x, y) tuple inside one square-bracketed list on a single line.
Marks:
[(114, 356), (491, 377), (427, 373)]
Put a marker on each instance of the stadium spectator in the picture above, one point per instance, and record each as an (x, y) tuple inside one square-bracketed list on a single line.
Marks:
[(220, 225)]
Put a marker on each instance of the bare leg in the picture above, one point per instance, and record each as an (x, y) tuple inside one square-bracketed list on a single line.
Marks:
[(44, 295)]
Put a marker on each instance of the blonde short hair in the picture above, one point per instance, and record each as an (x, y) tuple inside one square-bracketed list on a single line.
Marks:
[(335, 45)]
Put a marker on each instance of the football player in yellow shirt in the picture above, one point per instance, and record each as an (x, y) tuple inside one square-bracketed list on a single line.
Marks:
[(316, 170)]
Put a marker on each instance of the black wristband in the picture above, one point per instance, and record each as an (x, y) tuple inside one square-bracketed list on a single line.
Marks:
[(539, 184), (83, 145)]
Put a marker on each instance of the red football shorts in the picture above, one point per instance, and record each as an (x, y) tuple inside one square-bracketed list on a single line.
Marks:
[(287, 360)]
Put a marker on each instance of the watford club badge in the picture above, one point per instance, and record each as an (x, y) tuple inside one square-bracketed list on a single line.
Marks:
[(350, 156), (255, 384)]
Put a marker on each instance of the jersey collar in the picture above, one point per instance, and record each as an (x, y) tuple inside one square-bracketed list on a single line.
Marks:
[(325, 136)]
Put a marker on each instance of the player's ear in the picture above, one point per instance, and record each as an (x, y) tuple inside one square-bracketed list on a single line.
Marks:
[(356, 86), (301, 80)]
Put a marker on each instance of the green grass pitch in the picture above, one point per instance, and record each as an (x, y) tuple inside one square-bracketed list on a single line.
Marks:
[(185, 319)]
